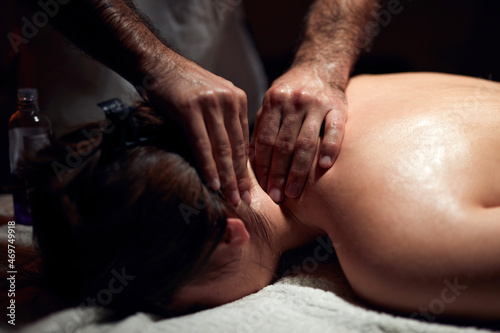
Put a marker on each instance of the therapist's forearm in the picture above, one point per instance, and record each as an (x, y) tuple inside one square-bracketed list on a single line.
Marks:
[(112, 32), (335, 34), (211, 111)]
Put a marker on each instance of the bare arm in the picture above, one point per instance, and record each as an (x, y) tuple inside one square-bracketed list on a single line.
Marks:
[(211, 110), (336, 33), (309, 95), (112, 32)]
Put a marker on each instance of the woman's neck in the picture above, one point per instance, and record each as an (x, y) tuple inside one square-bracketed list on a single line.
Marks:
[(287, 231)]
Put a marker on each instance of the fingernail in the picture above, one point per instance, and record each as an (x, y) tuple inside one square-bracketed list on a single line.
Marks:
[(292, 190), (215, 184), (326, 161), (275, 194), (245, 196), (235, 197)]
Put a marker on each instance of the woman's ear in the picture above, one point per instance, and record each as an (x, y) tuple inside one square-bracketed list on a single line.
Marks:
[(236, 232), (234, 240), (226, 279)]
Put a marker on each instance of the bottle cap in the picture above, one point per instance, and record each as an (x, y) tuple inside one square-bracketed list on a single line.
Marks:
[(27, 95)]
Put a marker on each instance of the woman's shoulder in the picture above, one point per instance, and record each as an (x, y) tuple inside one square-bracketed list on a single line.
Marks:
[(411, 80), (418, 75)]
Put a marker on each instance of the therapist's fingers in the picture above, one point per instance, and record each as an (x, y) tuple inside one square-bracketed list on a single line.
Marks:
[(201, 145), (305, 152), (333, 136), (282, 155), (213, 114), (266, 135), (236, 123), (221, 150)]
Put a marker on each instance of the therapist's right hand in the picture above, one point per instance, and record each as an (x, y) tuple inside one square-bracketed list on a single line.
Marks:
[(213, 114)]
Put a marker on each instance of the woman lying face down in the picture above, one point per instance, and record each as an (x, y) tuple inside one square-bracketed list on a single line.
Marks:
[(139, 227), (413, 199)]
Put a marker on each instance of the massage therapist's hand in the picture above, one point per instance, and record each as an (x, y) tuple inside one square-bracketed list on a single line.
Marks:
[(295, 109), (213, 114), (211, 110)]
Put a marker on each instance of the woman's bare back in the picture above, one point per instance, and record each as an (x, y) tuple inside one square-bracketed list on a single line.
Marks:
[(413, 199)]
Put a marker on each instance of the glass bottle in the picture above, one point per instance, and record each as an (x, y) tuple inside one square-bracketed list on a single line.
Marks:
[(29, 131)]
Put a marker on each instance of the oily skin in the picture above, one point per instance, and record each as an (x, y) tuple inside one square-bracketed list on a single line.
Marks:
[(414, 196), (406, 228)]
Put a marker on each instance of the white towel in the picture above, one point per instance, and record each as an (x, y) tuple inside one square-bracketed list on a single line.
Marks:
[(303, 303)]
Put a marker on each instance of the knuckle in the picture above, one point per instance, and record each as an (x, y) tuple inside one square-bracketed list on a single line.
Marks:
[(225, 95), (231, 101), (311, 129), (298, 173), (239, 153), (336, 124), (223, 149), (284, 146), (265, 138), (205, 98), (301, 98), (331, 147), (201, 145), (277, 96), (306, 144), (302, 163)]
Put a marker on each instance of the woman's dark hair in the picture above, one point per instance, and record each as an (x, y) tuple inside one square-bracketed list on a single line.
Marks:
[(124, 228)]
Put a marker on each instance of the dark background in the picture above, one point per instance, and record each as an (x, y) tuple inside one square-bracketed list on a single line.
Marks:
[(452, 36), (460, 36)]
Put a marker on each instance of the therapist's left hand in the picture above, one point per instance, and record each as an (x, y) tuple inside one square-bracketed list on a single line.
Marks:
[(287, 131)]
